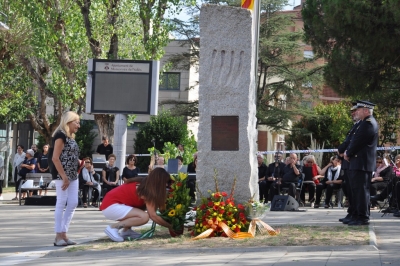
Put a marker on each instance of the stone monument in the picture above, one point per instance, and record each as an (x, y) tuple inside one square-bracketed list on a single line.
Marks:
[(227, 111)]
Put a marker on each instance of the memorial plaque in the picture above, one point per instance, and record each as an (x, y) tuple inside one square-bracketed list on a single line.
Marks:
[(225, 133)]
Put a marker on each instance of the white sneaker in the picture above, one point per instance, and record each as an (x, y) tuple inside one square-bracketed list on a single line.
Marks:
[(129, 234), (312, 204), (1, 198), (112, 233)]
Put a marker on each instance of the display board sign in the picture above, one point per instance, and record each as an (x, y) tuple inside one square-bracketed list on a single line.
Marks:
[(122, 87), (224, 133)]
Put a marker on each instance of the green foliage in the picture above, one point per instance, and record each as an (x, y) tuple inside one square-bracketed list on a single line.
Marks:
[(85, 137), (329, 125), (190, 147), (163, 128)]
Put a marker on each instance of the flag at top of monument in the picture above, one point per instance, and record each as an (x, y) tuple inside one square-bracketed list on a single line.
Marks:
[(249, 4)]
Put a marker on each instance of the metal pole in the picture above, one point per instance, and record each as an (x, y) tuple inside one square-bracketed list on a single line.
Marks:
[(120, 134), (257, 11)]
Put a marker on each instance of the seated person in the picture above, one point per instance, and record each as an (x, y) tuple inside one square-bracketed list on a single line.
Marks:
[(332, 180), (311, 171), (391, 188), (130, 170), (89, 181), (289, 177), (181, 168), (27, 166), (110, 174), (273, 172), (381, 178), (126, 205)]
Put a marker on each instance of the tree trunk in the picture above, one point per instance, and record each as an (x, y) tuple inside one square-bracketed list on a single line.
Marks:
[(106, 125)]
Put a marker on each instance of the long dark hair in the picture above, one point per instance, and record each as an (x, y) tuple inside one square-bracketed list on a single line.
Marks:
[(153, 188)]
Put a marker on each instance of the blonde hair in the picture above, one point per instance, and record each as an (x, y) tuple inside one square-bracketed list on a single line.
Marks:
[(66, 118)]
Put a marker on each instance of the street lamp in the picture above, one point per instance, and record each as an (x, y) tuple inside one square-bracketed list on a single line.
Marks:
[(3, 25)]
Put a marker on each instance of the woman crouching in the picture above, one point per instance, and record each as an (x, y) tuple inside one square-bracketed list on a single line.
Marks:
[(127, 202)]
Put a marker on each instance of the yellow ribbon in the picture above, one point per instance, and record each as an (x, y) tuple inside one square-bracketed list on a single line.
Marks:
[(255, 223)]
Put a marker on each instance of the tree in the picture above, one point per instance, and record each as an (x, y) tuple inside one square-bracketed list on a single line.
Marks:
[(50, 41), (359, 39), (282, 69), (162, 128)]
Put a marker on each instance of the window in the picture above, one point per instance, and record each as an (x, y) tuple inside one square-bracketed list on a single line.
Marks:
[(170, 81), (308, 54)]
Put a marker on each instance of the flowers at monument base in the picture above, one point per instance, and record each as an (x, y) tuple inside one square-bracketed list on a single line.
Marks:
[(219, 215), (177, 205), (219, 212)]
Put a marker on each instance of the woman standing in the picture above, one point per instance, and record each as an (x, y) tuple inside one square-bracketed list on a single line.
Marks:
[(19, 157), (66, 163), (110, 174), (130, 170), (126, 204)]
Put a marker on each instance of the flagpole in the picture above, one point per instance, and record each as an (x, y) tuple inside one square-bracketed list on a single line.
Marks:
[(257, 11)]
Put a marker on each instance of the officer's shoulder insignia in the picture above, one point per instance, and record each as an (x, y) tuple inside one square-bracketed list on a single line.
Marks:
[(369, 119)]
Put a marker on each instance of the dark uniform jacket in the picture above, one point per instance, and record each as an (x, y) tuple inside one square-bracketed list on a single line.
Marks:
[(342, 147), (362, 147), (275, 171)]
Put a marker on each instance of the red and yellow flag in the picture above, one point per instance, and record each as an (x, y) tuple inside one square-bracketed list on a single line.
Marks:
[(249, 4)]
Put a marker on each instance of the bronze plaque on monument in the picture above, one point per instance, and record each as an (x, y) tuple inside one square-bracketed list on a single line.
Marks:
[(224, 133)]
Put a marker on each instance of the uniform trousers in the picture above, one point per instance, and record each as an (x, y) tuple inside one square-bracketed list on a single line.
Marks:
[(346, 186), (360, 182)]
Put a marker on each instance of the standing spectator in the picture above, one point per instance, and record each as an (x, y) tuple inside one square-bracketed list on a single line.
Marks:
[(361, 152), (43, 160), (43, 164), (181, 149), (262, 183), (130, 170), (110, 174), (274, 172), (19, 157), (105, 148), (1, 176), (66, 162), (35, 150), (191, 180)]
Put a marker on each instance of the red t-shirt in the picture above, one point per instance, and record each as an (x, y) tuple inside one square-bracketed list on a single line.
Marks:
[(124, 194)]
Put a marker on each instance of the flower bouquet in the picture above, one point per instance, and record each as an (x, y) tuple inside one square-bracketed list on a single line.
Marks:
[(177, 205), (255, 209)]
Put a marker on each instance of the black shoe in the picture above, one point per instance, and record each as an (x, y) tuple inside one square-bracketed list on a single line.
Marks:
[(375, 198), (348, 216), (316, 206), (348, 220), (359, 222), (396, 214)]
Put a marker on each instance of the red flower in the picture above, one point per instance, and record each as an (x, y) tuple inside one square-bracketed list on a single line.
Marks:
[(240, 207), (215, 207), (179, 184), (222, 203), (203, 206), (210, 204), (237, 229), (221, 211), (217, 195), (224, 194), (171, 190)]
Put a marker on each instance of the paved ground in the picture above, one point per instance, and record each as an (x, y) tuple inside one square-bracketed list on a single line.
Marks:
[(26, 236)]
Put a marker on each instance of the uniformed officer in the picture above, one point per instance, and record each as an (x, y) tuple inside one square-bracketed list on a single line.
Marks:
[(361, 153), (345, 165)]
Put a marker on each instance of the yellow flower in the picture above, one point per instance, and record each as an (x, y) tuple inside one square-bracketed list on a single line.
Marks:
[(216, 203), (214, 214), (233, 220), (171, 213), (182, 176), (178, 207)]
